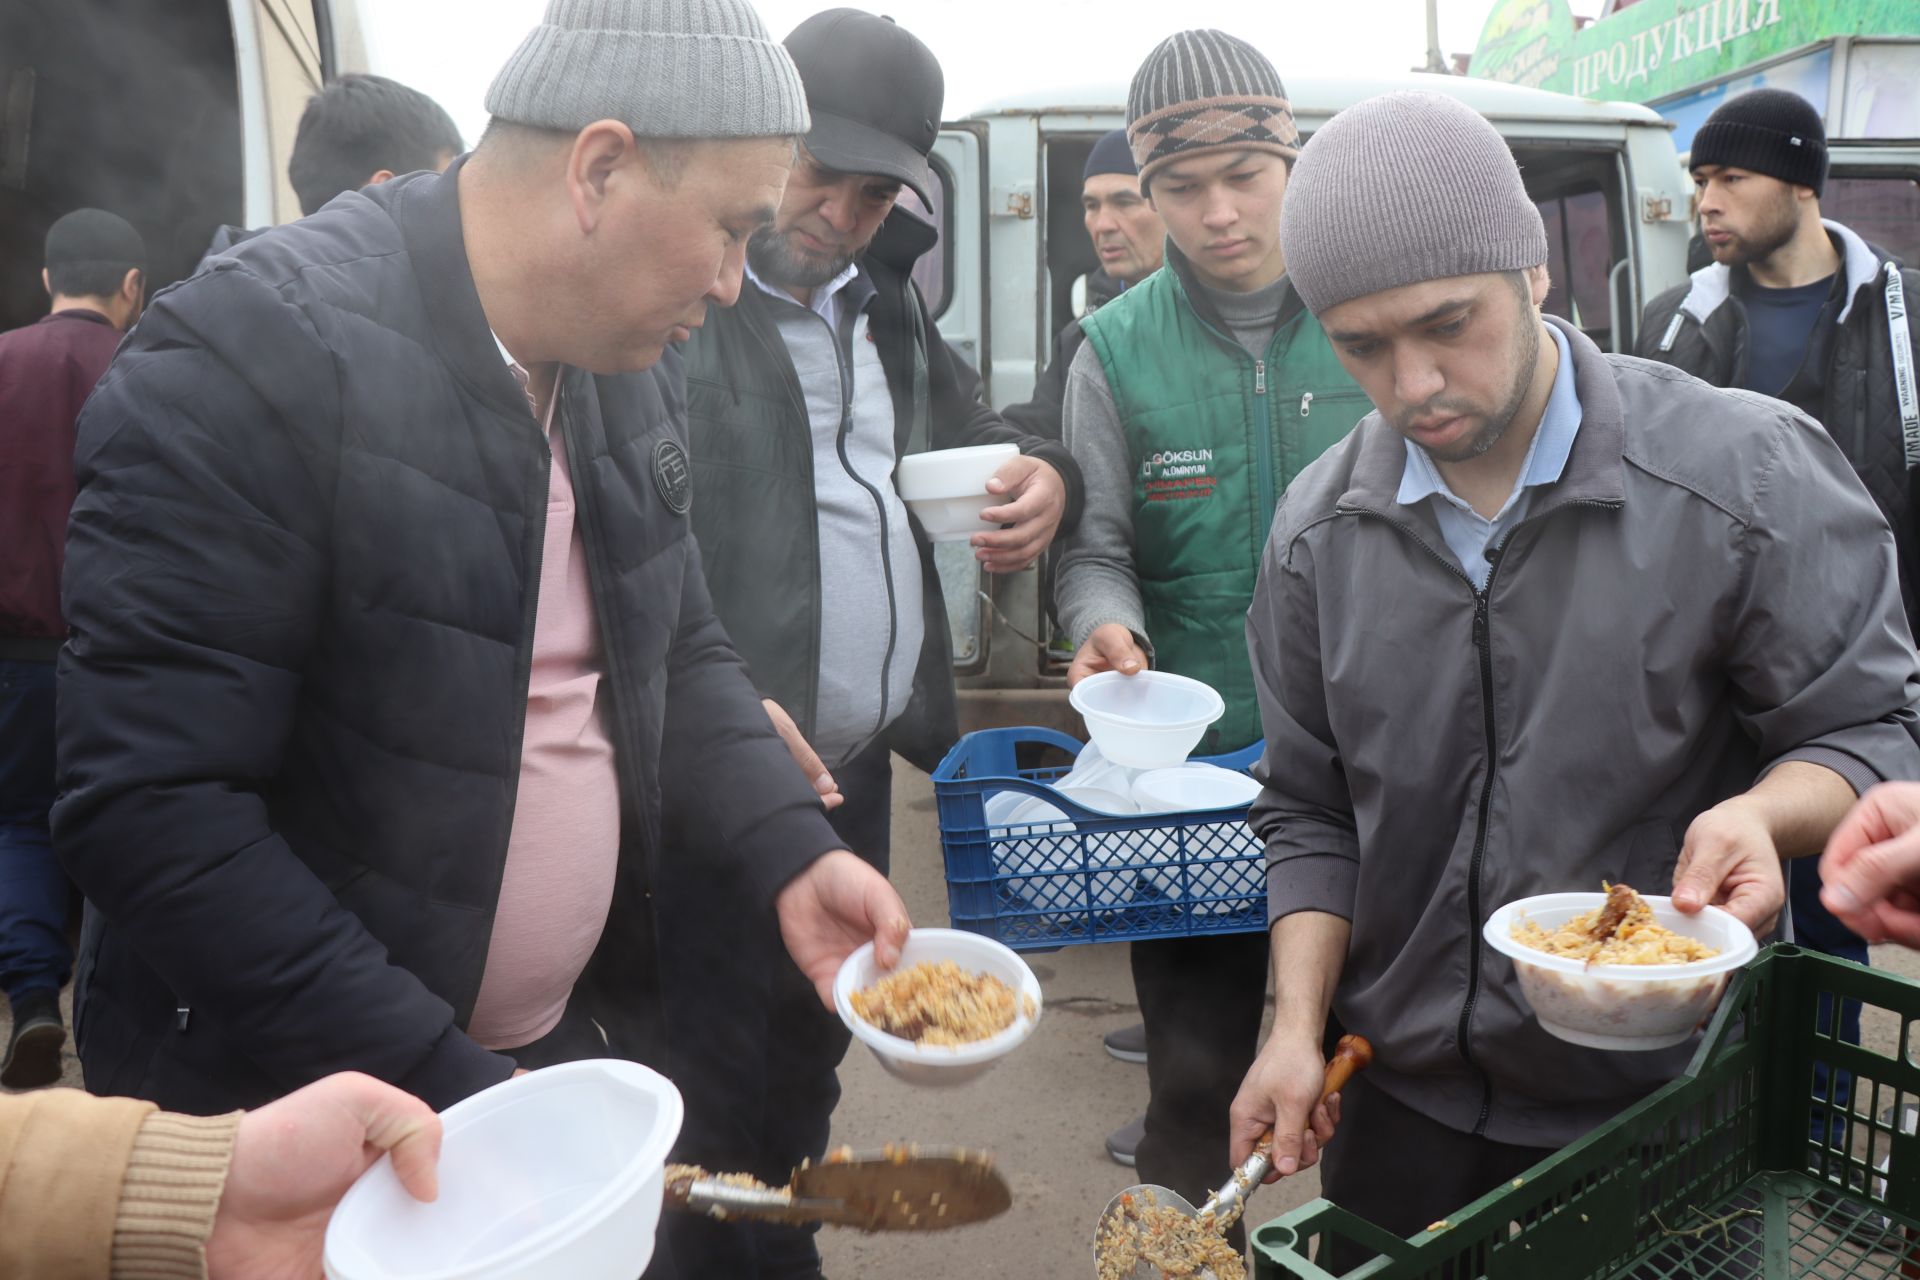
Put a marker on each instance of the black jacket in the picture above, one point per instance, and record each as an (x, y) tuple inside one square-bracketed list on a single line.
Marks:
[(301, 578), (1847, 381), (755, 512), (1044, 414)]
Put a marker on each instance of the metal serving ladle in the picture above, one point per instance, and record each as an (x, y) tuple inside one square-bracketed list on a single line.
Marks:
[(1230, 1201)]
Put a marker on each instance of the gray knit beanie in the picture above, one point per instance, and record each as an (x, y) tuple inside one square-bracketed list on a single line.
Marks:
[(664, 68), (1201, 92), (1399, 190)]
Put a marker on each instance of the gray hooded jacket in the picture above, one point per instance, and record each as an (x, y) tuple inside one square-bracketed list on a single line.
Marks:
[(1706, 593)]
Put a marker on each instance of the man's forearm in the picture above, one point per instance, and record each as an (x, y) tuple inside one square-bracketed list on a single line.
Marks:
[(1801, 804), (1309, 952)]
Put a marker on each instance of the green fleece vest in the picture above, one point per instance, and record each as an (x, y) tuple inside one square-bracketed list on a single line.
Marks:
[(1214, 436)]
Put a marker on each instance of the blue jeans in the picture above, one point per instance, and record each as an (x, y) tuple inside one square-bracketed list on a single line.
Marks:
[(34, 892)]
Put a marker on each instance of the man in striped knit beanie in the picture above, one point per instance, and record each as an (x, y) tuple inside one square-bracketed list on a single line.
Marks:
[(1197, 396)]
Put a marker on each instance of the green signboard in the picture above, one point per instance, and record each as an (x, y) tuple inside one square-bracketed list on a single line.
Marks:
[(1660, 47)]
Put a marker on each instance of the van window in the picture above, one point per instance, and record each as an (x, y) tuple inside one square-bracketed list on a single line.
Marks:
[(1578, 194), (933, 270), (1883, 211)]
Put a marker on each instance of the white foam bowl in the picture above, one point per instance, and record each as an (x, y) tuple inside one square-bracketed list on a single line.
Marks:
[(1152, 720), (939, 1064), (946, 489), (555, 1173), (1620, 1006), (1193, 788)]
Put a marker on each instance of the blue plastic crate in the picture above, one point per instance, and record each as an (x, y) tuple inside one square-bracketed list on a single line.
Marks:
[(1096, 877)]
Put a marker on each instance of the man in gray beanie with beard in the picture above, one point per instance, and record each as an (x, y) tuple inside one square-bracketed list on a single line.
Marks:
[(1548, 618), (385, 606)]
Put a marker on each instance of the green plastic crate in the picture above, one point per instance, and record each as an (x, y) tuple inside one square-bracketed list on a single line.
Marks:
[(1809, 1184)]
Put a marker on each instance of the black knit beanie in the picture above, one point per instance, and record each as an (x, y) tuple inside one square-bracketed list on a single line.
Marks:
[(1110, 155), (1769, 131), (1201, 92)]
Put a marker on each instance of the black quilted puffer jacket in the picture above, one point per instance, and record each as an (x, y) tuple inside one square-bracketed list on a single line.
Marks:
[(301, 578), (1701, 327)]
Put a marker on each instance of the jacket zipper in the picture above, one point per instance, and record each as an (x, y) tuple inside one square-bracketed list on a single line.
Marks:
[(843, 355), (1483, 645), (1263, 438)]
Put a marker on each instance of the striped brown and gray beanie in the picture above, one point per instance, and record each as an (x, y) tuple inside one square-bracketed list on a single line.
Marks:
[(1201, 92), (663, 68)]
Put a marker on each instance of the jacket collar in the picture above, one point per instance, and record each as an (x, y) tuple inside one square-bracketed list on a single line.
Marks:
[(903, 239), (1712, 285), (1188, 285), (1595, 470), (75, 313), (426, 208)]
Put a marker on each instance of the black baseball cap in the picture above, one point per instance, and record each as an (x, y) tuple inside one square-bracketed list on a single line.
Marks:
[(874, 92), (93, 235)]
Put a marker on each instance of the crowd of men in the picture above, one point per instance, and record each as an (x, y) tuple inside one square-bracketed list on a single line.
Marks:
[(469, 628)]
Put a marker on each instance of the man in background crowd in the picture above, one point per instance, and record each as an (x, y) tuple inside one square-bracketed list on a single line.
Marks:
[(95, 274), (360, 131), (802, 400), (1130, 241)]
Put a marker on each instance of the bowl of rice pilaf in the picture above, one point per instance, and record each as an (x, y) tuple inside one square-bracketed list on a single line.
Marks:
[(955, 1005), (1616, 970)]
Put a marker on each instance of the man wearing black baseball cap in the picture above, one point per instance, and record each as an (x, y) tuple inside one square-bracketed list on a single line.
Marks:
[(1801, 308), (802, 398), (95, 275)]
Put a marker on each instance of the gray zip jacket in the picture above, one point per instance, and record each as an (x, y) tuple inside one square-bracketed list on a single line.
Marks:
[(1706, 593)]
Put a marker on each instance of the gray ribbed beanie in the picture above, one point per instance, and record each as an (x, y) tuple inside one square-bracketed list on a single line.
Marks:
[(664, 68), (1399, 190), (1201, 92)]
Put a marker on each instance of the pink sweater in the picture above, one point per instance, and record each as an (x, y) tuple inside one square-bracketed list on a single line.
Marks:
[(565, 842)]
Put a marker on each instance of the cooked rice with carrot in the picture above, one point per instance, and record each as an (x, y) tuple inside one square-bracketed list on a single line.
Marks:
[(941, 1004), (1621, 930)]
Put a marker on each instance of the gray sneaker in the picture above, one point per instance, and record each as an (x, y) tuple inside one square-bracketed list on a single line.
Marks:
[(1129, 1044), (1124, 1141)]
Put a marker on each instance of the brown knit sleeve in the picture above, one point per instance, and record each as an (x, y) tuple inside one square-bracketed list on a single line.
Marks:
[(172, 1188)]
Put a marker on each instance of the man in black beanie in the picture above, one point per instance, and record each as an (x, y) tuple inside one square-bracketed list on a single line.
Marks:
[(1130, 241), (1796, 306), (1803, 309)]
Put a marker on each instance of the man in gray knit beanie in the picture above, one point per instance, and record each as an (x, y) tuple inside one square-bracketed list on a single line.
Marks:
[(441, 566), (690, 97), (1546, 618)]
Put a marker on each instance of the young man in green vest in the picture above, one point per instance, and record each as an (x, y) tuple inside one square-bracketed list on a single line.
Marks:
[(1198, 396)]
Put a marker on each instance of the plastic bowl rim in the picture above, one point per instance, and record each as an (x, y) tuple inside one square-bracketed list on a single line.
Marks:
[(595, 1208), (1498, 933), (895, 1047), (1076, 699)]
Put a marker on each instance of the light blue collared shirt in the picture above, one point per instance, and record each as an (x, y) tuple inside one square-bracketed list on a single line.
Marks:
[(1467, 532)]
